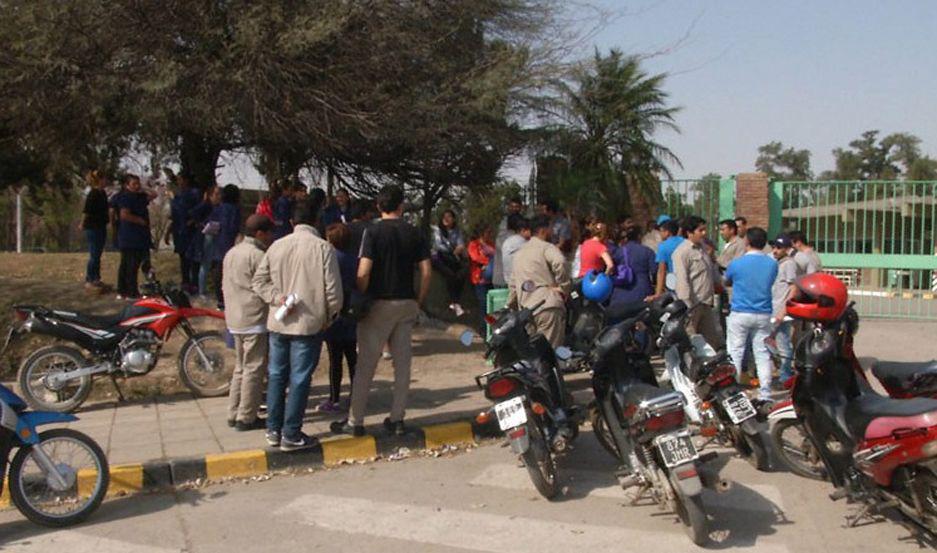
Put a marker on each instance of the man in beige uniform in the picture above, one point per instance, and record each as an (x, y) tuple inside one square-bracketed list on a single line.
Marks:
[(542, 263), (246, 318), (698, 282), (735, 245)]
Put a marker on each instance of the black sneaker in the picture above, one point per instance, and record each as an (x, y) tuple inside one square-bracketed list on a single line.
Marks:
[(232, 423), (396, 428), (273, 438), (257, 424), (345, 427), (301, 442)]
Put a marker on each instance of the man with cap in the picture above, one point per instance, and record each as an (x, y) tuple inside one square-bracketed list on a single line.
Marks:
[(246, 319), (781, 291)]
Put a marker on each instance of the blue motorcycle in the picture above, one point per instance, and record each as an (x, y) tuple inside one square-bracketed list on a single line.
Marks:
[(57, 477)]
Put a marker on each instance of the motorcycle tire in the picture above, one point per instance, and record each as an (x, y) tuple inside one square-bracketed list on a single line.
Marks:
[(602, 432), (21, 497), (65, 403), (753, 448), (539, 462), (692, 514), (219, 383), (795, 462)]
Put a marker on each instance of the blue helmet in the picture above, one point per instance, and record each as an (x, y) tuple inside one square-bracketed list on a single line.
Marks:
[(596, 286)]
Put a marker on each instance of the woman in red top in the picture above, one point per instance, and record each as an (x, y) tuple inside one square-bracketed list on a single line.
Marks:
[(481, 253), (594, 255)]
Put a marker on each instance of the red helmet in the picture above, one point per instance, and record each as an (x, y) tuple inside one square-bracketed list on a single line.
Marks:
[(822, 298)]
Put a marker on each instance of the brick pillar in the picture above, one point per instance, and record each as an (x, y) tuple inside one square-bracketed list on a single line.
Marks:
[(751, 198)]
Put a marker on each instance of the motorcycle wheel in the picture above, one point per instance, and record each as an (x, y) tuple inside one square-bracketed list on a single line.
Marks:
[(209, 379), (539, 462), (753, 448), (602, 432), (87, 478), (693, 516), (795, 450), (49, 360)]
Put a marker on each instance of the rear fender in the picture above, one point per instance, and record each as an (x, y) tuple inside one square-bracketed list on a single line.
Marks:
[(783, 410), (520, 439), (751, 426), (196, 312), (27, 423), (685, 479)]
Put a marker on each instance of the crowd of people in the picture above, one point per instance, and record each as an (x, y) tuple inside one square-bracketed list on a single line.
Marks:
[(313, 270)]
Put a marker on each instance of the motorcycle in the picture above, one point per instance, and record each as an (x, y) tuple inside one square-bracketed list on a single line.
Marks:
[(531, 404), (708, 381), (796, 452), (57, 477), (878, 451), (127, 344), (645, 428)]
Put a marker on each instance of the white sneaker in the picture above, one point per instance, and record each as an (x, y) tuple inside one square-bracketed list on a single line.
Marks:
[(386, 355), (458, 310)]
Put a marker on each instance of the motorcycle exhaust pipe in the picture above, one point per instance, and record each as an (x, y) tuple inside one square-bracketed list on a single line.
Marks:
[(713, 482)]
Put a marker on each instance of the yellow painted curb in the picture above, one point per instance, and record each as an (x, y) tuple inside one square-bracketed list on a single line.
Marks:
[(907, 295), (126, 478), (344, 449), (928, 296), (239, 463), (438, 435)]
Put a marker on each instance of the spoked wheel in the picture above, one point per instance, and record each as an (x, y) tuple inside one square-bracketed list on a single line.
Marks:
[(44, 395), (206, 364), (68, 497), (539, 462), (693, 516), (795, 450), (602, 432)]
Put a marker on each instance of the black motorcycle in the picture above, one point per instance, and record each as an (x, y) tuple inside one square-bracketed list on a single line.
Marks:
[(532, 406), (645, 427), (708, 382)]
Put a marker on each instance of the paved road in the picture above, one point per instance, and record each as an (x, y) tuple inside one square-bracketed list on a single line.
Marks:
[(476, 501)]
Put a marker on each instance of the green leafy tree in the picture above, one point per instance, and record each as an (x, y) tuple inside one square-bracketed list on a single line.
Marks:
[(781, 163)]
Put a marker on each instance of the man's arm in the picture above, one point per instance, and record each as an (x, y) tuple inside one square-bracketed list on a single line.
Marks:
[(364, 274), (558, 267), (682, 273), (426, 276), (334, 294), (263, 286), (661, 278), (126, 215)]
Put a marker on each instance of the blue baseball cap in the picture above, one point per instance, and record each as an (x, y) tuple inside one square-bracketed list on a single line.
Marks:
[(661, 219)]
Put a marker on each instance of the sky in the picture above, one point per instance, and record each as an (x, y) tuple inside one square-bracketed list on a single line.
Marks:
[(812, 74)]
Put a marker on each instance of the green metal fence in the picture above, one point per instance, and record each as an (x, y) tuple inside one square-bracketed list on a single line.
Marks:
[(879, 236), (711, 198)]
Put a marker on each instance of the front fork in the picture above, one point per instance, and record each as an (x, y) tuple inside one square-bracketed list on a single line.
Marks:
[(56, 478), (189, 332)]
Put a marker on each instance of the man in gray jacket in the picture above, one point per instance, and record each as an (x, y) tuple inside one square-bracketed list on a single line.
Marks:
[(246, 319), (301, 266)]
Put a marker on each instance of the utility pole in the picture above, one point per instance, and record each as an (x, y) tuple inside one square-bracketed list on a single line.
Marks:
[(19, 221)]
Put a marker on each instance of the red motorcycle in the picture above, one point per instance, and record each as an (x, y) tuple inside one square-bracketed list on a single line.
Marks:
[(878, 451), (127, 344)]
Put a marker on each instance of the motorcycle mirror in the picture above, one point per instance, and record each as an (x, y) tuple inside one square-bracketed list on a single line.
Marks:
[(563, 353), (528, 286), (671, 281), (467, 338)]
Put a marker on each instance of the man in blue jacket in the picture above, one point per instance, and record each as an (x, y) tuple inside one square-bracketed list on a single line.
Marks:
[(752, 277)]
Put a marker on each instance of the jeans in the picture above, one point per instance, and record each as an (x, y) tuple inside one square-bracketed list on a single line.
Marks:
[(96, 240), (758, 326), (481, 294), (785, 348), (292, 360), (130, 261), (205, 265)]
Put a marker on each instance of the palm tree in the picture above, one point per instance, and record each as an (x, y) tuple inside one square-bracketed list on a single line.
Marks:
[(604, 121)]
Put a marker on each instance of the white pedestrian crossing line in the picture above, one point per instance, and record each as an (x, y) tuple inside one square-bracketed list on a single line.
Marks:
[(475, 531), (748, 497), (76, 541)]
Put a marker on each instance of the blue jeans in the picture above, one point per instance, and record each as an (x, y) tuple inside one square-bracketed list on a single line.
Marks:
[(96, 239), (481, 294), (785, 348), (758, 326), (205, 264), (292, 360)]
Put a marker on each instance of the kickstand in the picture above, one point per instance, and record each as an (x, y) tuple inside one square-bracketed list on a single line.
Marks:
[(868, 512), (120, 394)]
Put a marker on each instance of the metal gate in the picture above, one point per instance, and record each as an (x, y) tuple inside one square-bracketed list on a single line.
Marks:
[(711, 198), (878, 236)]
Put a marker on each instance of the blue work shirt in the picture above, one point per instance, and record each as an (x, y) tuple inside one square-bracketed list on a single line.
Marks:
[(751, 277), (229, 217), (180, 207), (282, 213), (665, 251), (131, 236)]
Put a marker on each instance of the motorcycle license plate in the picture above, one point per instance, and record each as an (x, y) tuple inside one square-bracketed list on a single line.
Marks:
[(739, 408), (676, 449), (511, 413)]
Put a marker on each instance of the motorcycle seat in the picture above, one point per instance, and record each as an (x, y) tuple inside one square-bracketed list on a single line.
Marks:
[(874, 416), (101, 322), (639, 391), (898, 375), (620, 312)]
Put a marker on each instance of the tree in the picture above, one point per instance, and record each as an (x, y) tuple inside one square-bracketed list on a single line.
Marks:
[(781, 163), (602, 121), (895, 156)]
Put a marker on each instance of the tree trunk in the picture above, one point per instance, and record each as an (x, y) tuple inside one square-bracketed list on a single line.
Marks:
[(199, 158)]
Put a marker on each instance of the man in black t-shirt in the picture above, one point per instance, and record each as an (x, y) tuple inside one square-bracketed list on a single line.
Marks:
[(94, 222), (391, 249)]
